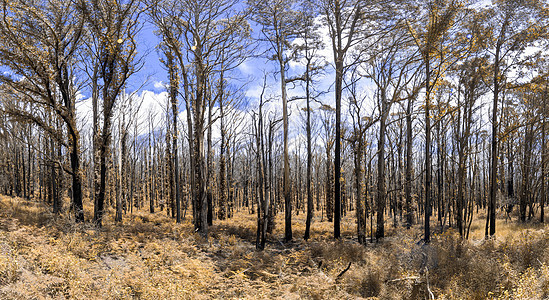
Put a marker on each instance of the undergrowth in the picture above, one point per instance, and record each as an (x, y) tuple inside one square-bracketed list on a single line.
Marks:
[(148, 256)]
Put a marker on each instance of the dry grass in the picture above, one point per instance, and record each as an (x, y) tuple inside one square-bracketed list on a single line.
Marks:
[(151, 257)]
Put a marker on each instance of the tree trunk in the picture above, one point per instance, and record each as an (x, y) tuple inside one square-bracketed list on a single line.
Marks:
[(174, 90), (359, 175), (329, 185), (381, 193), (408, 184), (337, 159), (209, 164), (427, 203), (525, 198), (543, 162), (74, 144), (491, 215), (286, 180), (309, 158), (222, 192)]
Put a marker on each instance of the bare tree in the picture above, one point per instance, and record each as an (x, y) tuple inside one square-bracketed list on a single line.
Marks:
[(39, 44), (343, 18), (438, 18), (514, 30), (309, 43), (113, 50), (196, 32), (328, 127), (278, 19)]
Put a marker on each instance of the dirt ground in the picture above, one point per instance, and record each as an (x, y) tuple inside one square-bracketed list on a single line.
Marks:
[(148, 256)]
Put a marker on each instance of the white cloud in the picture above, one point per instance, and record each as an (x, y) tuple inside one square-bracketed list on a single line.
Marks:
[(246, 68), (159, 85), (145, 107)]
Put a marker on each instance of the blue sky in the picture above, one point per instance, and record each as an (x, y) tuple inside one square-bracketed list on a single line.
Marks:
[(149, 85), (152, 72)]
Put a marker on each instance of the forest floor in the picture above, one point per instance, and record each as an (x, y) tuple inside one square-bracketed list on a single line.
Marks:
[(151, 257)]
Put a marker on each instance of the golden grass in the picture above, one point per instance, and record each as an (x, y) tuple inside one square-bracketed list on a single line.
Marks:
[(148, 256)]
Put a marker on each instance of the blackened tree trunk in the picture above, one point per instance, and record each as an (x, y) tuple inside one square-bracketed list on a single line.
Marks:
[(357, 143), (286, 180), (343, 21), (525, 198), (427, 202), (491, 215), (543, 195), (200, 180), (115, 61), (337, 159), (310, 203), (173, 92), (381, 189), (222, 203), (209, 162), (409, 166)]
